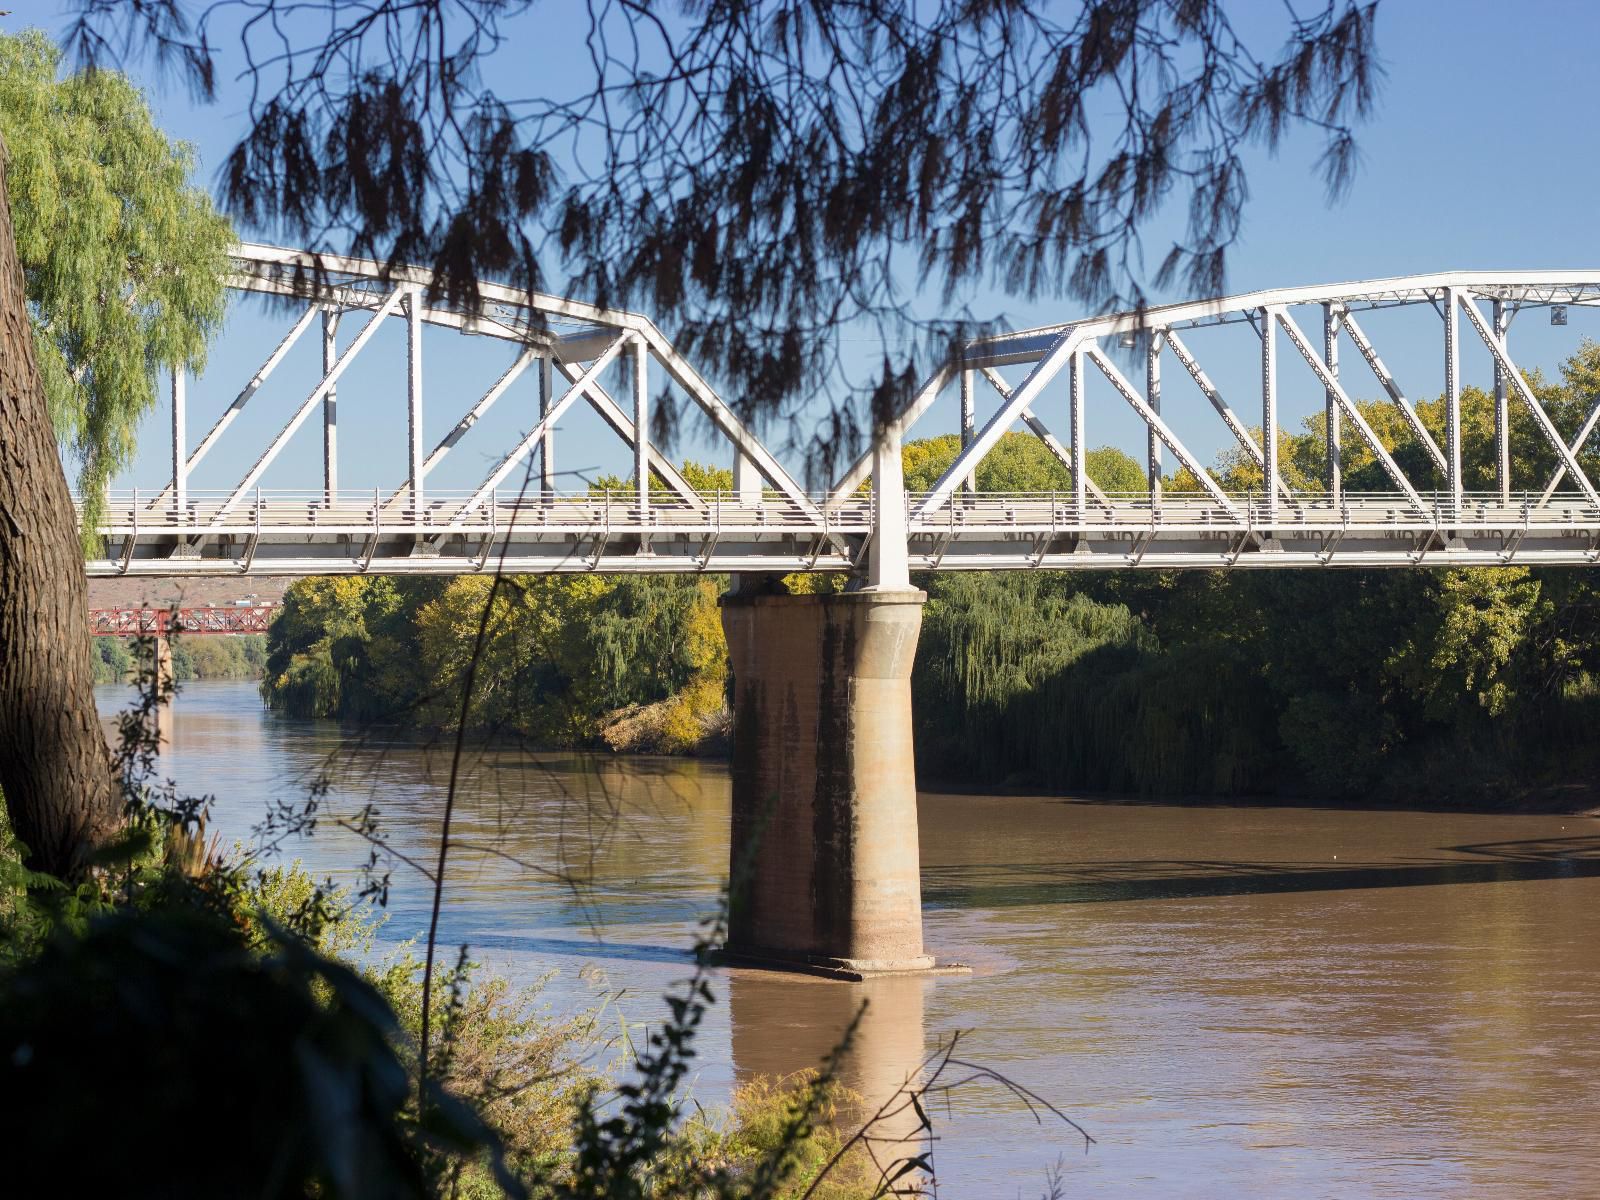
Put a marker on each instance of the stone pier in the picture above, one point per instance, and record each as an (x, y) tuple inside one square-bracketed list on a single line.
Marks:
[(824, 857)]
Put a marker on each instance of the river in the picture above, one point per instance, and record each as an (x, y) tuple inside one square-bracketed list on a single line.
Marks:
[(1234, 1001)]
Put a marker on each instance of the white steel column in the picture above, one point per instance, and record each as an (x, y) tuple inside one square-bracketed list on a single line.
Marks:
[(1333, 433), (1269, 411), (330, 407), (1075, 405), (969, 426), (746, 479), (1153, 395), (414, 398), (888, 567), (180, 447), (1502, 411), (641, 425), (547, 444), (1452, 403)]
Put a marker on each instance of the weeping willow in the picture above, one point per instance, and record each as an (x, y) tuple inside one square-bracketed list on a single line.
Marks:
[(1022, 681), (125, 260)]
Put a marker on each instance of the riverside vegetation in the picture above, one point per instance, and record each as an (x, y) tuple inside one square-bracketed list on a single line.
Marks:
[(213, 656), (1463, 687), (250, 1009)]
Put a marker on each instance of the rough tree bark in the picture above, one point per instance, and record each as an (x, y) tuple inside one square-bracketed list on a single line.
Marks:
[(55, 769)]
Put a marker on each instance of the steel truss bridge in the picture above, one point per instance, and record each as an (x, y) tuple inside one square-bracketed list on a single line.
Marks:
[(517, 519), (162, 622)]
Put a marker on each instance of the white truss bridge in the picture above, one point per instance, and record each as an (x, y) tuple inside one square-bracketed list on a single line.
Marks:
[(867, 523)]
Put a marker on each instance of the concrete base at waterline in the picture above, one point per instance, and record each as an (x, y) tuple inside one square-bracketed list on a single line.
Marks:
[(847, 970), (824, 856)]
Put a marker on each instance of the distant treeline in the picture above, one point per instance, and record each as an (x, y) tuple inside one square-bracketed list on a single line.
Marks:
[(208, 656), (1402, 686)]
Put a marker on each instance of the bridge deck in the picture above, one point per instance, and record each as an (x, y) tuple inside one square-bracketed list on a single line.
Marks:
[(281, 533)]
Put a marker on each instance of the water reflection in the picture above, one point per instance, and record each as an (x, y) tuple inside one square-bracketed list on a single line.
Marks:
[(781, 1024)]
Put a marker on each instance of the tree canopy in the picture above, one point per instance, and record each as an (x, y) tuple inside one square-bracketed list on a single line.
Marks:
[(758, 175), (123, 259)]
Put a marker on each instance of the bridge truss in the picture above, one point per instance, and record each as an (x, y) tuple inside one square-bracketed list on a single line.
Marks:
[(517, 518), (161, 622)]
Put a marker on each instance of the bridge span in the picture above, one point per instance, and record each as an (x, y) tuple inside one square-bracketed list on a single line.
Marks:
[(823, 854), (279, 533)]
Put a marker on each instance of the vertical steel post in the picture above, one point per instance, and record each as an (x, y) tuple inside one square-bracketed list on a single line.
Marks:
[(641, 426), (969, 425), (1269, 411), (1452, 403), (547, 443), (1153, 395), (330, 407), (1502, 411), (414, 398), (1332, 320), (1075, 402), (888, 564), (746, 479), (180, 444)]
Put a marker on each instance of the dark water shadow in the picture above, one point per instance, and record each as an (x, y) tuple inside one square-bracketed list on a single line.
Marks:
[(584, 948), (990, 885)]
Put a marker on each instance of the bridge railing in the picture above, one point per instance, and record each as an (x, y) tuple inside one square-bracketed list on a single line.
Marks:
[(132, 514)]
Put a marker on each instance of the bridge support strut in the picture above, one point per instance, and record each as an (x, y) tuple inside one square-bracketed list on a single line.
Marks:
[(824, 854)]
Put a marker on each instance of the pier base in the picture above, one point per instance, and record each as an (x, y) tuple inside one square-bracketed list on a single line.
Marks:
[(824, 857)]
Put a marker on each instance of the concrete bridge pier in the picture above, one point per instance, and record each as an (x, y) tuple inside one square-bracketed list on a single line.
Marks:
[(824, 857), (824, 861), (161, 647)]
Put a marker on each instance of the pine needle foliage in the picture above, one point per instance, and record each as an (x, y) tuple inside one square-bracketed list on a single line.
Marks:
[(760, 175)]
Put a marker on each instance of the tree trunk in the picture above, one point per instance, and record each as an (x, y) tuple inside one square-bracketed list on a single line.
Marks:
[(55, 769)]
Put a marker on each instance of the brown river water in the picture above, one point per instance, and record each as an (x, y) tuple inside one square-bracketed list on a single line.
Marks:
[(1234, 1001)]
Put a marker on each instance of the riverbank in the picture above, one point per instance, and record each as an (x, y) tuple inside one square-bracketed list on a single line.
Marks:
[(200, 656), (1448, 690)]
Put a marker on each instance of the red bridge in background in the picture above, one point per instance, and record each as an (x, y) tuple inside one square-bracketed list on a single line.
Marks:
[(161, 622)]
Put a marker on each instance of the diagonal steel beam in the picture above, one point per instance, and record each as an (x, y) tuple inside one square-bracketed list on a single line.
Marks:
[(253, 476), (497, 476), (522, 362), (243, 398), (622, 425), (1387, 381), (1161, 429), (1566, 454), (1332, 387), (1584, 430), (726, 420), (1238, 428), (1042, 432), (908, 416), (1022, 396)]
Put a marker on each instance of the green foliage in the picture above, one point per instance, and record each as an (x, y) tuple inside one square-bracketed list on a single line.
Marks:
[(213, 656), (279, 1068), (987, 642), (111, 659), (347, 647), (1020, 462), (124, 261), (219, 656), (562, 654)]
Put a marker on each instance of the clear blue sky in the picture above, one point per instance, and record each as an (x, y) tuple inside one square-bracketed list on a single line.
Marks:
[(1480, 155)]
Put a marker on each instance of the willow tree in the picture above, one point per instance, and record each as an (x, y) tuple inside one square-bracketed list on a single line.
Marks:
[(111, 269)]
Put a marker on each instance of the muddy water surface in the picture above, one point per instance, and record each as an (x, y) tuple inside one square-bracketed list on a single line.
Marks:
[(1234, 1001)]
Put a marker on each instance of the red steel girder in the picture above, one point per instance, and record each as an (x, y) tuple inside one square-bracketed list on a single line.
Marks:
[(160, 622)]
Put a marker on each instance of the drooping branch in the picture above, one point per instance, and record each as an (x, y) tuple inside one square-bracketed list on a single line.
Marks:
[(760, 175)]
